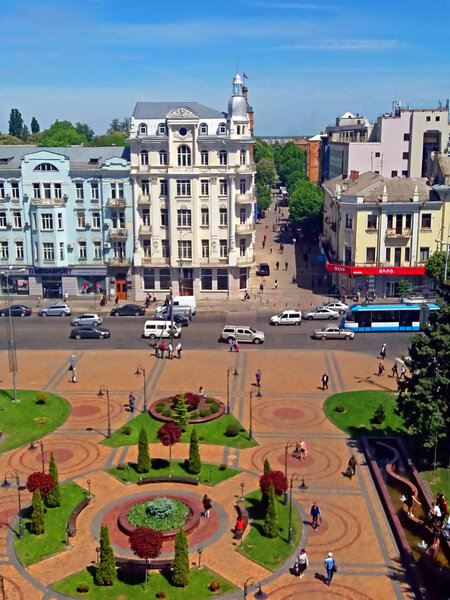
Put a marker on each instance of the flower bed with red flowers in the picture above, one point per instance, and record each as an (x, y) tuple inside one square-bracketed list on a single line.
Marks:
[(201, 409)]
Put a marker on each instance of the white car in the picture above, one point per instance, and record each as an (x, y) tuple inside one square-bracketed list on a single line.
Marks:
[(287, 317), (87, 319), (321, 313), (334, 333), (341, 307)]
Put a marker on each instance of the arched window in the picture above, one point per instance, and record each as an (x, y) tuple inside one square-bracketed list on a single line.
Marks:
[(45, 167), (204, 157), (243, 129), (243, 157), (238, 129), (144, 157), (162, 129), (204, 129), (222, 129), (163, 157), (223, 157), (142, 129), (184, 156)]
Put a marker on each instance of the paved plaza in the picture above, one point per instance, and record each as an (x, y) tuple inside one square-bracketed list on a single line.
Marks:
[(354, 526)]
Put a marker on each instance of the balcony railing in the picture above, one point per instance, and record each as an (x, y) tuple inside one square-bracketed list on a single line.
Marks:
[(48, 201), (392, 233), (121, 202), (118, 261), (145, 229), (246, 198), (245, 227), (143, 199), (247, 260), (118, 233)]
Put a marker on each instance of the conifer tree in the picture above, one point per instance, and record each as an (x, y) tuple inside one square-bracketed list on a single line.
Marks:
[(105, 573), (194, 463), (180, 573), (37, 525), (271, 525), (15, 123), (181, 413), (267, 467), (53, 498), (143, 464), (35, 126)]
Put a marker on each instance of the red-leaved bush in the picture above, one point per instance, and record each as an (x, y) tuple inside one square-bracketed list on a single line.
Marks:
[(145, 542), (169, 434), (193, 400), (40, 481), (278, 480)]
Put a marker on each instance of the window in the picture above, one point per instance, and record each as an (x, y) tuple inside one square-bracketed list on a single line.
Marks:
[(142, 129), (204, 187), (242, 186), (79, 190), (36, 251), (163, 187), (81, 219), (165, 248), (243, 276), (184, 217), (145, 187), (183, 187), (48, 251), (406, 137), (347, 255), (223, 187), (2, 190), (57, 193), (371, 222), (3, 219), (223, 247), (397, 257), (425, 222), (164, 217), (45, 167), (162, 129), (222, 279), (19, 250), (428, 119), (146, 216), (4, 251), (204, 157), (348, 221), (394, 173), (243, 157), (36, 191), (407, 221), (204, 129), (17, 219), (164, 279), (149, 279), (144, 157), (205, 217), (405, 155), (242, 247), (47, 190), (242, 215), (424, 254), (34, 220), (390, 221), (388, 255), (94, 191), (97, 250), (61, 250), (222, 129), (60, 221), (163, 157), (96, 220), (117, 190), (377, 155), (206, 279), (405, 173), (82, 249), (146, 248), (15, 190), (407, 254), (185, 249), (184, 156), (437, 118), (370, 255), (46, 222), (238, 129), (223, 217), (118, 219), (205, 248), (223, 157)]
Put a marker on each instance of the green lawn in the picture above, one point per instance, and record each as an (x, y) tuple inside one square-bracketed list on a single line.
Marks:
[(132, 588), (161, 467), (17, 418), (212, 432), (36, 547), (439, 480), (359, 408), (269, 552)]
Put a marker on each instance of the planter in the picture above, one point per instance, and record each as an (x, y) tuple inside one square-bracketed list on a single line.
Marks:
[(159, 417)]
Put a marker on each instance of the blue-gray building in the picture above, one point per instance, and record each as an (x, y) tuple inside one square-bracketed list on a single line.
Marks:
[(66, 220)]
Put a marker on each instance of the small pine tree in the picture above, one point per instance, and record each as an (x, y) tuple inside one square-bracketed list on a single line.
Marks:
[(379, 415), (180, 573), (194, 463), (143, 464), (53, 498), (271, 526), (105, 573), (267, 467), (37, 525), (181, 413), (35, 126)]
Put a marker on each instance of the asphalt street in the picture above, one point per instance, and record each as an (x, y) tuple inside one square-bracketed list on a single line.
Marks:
[(51, 333)]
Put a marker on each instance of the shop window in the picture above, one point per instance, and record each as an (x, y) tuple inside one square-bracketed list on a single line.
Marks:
[(206, 279), (149, 279), (164, 279), (222, 279)]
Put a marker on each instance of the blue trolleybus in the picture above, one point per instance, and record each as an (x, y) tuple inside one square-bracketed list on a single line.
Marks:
[(387, 317)]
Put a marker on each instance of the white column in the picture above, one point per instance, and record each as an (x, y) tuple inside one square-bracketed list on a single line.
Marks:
[(214, 219), (155, 218), (195, 210), (137, 254), (383, 227), (414, 239), (232, 258)]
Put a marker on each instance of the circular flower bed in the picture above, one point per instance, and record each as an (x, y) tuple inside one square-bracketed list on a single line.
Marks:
[(160, 514), (200, 409)]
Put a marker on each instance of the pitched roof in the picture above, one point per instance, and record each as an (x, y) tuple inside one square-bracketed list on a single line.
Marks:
[(77, 155), (159, 110), (371, 186)]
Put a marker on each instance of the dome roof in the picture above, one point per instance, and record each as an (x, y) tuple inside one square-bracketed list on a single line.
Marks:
[(237, 79), (237, 107)]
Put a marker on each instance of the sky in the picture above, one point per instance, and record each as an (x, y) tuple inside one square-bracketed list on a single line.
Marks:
[(307, 61)]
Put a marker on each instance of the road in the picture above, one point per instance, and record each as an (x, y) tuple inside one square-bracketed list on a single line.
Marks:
[(32, 333)]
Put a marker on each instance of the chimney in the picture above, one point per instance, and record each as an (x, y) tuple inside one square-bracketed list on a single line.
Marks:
[(354, 175)]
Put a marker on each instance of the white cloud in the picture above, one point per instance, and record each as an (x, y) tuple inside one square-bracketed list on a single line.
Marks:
[(292, 5), (345, 45)]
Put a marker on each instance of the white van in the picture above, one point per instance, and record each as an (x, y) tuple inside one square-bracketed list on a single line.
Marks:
[(186, 301), (160, 329)]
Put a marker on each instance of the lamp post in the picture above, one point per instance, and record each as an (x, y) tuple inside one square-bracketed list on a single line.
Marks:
[(228, 391), (33, 447), (242, 489), (104, 390), (6, 484), (288, 445), (199, 552), (89, 488), (12, 341), (140, 370), (446, 252), (250, 430), (294, 476), (259, 594)]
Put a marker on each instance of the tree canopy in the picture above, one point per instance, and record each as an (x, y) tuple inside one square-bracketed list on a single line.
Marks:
[(62, 133), (35, 126), (264, 197), (15, 123), (289, 159), (265, 172), (84, 129), (262, 150), (435, 267), (305, 202), (118, 126), (110, 139)]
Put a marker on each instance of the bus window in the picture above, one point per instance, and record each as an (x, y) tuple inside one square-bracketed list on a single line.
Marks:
[(364, 318), (351, 316)]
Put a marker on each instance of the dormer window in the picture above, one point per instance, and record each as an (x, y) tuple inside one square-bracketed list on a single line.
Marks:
[(238, 129), (204, 129), (223, 157), (243, 129), (222, 129), (45, 167), (162, 129), (142, 129)]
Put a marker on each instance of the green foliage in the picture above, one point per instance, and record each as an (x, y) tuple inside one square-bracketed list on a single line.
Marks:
[(41, 398), (105, 573), (262, 150), (34, 138), (161, 595), (122, 466), (340, 408), (41, 420), (9, 140), (118, 126), (194, 463), (15, 123), (264, 197), (53, 498), (305, 202), (161, 518), (84, 129), (271, 526), (288, 160), (214, 586), (161, 508), (62, 133), (379, 416), (404, 288), (37, 523), (110, 139), (232, 430), (181, 412), (83, 587), (35, 126), (180, 573), (265, 172), (25, 133), (435, 267), (267, 467), (205, 412), (143, 463), (126, 430)]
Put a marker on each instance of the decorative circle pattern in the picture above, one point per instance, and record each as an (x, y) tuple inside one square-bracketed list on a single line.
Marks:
[(319, 590), (288, 414)]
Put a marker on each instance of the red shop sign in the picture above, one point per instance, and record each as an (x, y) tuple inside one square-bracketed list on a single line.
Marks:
[(333, 268)]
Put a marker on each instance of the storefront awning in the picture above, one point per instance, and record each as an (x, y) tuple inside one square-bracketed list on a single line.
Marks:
[(333, 268)]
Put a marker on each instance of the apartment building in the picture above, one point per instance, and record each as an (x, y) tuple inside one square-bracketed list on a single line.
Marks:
[(193, 189)]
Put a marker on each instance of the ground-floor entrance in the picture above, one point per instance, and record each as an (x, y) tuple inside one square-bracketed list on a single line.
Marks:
[(121, 286)]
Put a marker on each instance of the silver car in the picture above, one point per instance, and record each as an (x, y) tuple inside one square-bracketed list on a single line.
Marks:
[(340, 307), (333, 333), (321, 312), (87, 319), (60, 309)]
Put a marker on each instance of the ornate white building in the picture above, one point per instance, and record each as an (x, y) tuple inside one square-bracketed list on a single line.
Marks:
[(193, 190)]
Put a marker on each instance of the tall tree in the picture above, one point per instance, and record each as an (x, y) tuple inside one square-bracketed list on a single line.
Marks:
[(194, 464), (271, 525), (267, 467), (265, 172), (180, 573), (181, 412), (143, 463), (25, 133), (435, 267), (105, 574), (62, 133), (118, 126), (15, 123), (35, 126), (84, 129), (264, 197), (262, 150), (53, 497), (305, 202), (169, 435), (37, 524)]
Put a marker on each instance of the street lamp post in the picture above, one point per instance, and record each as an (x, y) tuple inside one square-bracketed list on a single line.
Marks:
[(104, 390), (228, 390), (140, 370), (446, 252), (12, 341), (288, 445), (294, 476), (6, 484), (259, 594), (250, 430), (33, 447), (199, 552)]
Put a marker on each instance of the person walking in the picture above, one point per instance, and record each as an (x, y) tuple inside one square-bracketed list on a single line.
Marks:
[(302, 450), (207, 505), (276, 284), (394, 371), (315, 514), (325, 380), (116, 302), (66, 296), (286, 265), (72, 363), (380, 369), (162, 348), (277, 265), (170, 351), (131, 402), (351, 468), (271, 249), (383, 351), (330, 567), (178, 349), (258, 376), (261, 288), (403, 373), (302, 562)]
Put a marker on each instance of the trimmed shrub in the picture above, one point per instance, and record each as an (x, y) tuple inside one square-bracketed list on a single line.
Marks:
[(242, 429), (215, 585), (339, 408), (232, 430), (267, 467), (160, 408), (126, 430), (214, 408), (181, 413), (193, 400), (143, 463), (275, 478), (180, 572), (167, 412), (209, 400), (223, 467), (53, 497), (43, 482), (41, 398), (37, 524), (122, 466), (271, 526), (145, 542), (106, 573), (379, 415), (194, 415), (205, 412), (194, 463), (41, 420), (83, 587), (161, 595), (201, 438)]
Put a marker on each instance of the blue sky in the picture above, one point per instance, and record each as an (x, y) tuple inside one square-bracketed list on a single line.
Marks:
[(307, 61)]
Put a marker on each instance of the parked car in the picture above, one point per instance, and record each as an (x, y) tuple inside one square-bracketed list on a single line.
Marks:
[(87, 319), (186, 301), (263, 270), (178, 319), (88, 331), (241, 333), (340, 307), (128, 310), (16, 310), (321, 313), (185, 311), (334, 333), (287, 317), (60, 309)]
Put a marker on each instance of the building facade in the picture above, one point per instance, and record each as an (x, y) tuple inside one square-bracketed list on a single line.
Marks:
[(193, 189)]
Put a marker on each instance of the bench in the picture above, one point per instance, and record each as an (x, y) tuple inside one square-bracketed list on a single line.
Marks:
[(169, 479), (71, 528), (135, 565), (242, 514)]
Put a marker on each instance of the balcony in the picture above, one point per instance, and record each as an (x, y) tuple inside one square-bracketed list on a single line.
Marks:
[(245, 228), (49, 201), (118, 233), (245, 260), (394, 234), (116, 202), (145, 229), (143, 199), (246, 198), (118, 261)]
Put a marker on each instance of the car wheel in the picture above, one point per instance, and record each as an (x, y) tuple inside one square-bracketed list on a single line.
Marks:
[(76, 323), (137, 313), (297, 323), (22, 314), (309, 318), (116, 314), (323, 337), (330, 318), (95, 323), (62, 314), (276, 323), (257, 341), (44, 314), (78, 336), (152, 336)]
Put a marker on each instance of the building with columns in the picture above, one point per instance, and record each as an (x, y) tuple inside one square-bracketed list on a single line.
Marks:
[(193, 190)]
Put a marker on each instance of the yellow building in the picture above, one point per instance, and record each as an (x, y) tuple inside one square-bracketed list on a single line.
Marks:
[(378, 231)]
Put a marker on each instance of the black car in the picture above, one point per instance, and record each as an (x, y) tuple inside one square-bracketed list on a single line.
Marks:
[(178, 319), (263, 270), (88, 331), (128, 310), (17, 310)]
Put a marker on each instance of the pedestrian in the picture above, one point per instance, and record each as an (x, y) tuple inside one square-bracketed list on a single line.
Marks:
[(231, 345), (261, 288), (394, 371), (66, 296), (236, 347), (315, 514), (263, 244), (162, 349), (170, 351), (131, 402), (38, 301), (325, 379), (201, 391), (156, 349), (72, 363), (271, 249), (239, 527), (178, 349), (302, 562), (330, 567), (358, 296), (380, 369), (383, 351), (281, 248), (265, 237), (302, 450), (351, 466), (286, 264), (403, 373), (147, 301), (207, 505), (116, 301), (276, 284), (277, 264), (258, 377)]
